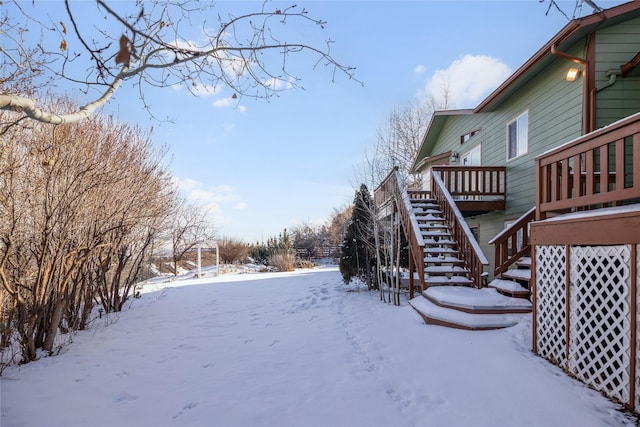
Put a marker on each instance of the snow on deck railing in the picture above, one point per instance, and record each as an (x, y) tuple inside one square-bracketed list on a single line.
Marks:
[(599, 169)]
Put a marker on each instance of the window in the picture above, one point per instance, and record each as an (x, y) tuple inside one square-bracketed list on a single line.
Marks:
[(472, 157), (467, 136), (518, 136)]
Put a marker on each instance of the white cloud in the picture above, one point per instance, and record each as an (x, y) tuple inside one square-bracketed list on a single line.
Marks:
[(219, 201), (277, 84), (228, 102), (467, 81), (419, 69), (185, 184), (223, 102)]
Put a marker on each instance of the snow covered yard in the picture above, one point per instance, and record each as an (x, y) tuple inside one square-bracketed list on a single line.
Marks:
[(292, 349)]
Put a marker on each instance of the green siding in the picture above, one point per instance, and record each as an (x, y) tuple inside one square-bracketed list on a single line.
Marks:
[(554, 106), (615, 46)]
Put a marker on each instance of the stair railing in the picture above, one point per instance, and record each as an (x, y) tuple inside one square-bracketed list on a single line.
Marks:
[(392, 188), (468, 248), (474, 181), (513, 242), (599, 169)]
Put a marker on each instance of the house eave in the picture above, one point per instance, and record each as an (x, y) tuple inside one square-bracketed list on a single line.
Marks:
[(436, 124), (419, 166), (571, 33)]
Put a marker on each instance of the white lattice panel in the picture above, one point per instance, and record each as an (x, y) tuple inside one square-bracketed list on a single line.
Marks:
[(551, 304), (600, 319)]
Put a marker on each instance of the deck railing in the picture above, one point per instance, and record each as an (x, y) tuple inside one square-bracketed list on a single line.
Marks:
[(468, 248), (607, 162), (512, 243), (392, 189), (474, 181)]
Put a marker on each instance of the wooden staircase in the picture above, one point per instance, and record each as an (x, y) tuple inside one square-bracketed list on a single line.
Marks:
[(445, 256), (441, 261), (450, 297)]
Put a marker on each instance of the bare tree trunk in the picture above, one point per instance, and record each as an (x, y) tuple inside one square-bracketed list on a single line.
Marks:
[(54, 323)]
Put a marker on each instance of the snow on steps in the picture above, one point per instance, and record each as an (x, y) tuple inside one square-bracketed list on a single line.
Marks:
[(439, 281), (518, 274), (510, 288), (469, 308)]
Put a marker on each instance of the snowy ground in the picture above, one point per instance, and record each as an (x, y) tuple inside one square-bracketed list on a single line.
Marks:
[(292, 349)]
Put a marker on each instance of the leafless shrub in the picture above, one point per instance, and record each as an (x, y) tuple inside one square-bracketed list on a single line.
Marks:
[(232, 250), (283, 260), (80, 206)]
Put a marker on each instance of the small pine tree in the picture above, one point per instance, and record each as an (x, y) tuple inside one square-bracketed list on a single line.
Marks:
[(357, 258)]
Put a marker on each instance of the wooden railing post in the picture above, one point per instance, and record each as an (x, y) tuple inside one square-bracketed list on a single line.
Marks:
[(506, 242)]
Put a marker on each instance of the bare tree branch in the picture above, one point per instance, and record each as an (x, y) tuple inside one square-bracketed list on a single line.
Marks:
[(245, 53)]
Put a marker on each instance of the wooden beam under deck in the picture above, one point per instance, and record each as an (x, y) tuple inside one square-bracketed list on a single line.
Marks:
[(610, 226)]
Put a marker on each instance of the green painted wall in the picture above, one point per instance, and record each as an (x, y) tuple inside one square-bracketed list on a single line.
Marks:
[(615, 46)]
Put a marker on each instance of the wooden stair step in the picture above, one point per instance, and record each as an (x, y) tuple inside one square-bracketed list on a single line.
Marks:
[(438, 233), (448, 281), (445, 269), (432, 250), (472, 300), (439, 242), (436, 212), (435, 315), (517, 274), (510, 288), (524, 262), (443, 260), (429, 217), (433, 201), (437, 226), (426, 206)]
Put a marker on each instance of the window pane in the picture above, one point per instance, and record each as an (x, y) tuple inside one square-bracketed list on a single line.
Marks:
[(513, 140), (523, 133)]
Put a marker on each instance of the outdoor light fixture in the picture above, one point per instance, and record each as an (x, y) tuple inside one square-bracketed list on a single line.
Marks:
[(455, 157), (572, 74)]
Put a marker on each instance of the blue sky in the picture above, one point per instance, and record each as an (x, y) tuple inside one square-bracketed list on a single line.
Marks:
[(262, 166)]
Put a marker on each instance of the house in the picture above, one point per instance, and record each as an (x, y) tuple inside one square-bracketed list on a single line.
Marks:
[(534, 195)]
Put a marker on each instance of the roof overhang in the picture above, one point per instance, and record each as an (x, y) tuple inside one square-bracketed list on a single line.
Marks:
[(569, 35), (430, 160), (436, 124)]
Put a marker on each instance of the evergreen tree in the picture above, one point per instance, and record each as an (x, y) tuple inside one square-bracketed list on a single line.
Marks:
[(357, 258)]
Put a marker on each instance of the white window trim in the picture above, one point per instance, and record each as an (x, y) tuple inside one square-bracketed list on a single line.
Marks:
[(477, 148), (515, 119)]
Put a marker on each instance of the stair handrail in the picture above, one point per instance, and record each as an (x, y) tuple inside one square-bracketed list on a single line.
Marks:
[(411, 226), (469, 248), (508, 239), (393, 188)]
